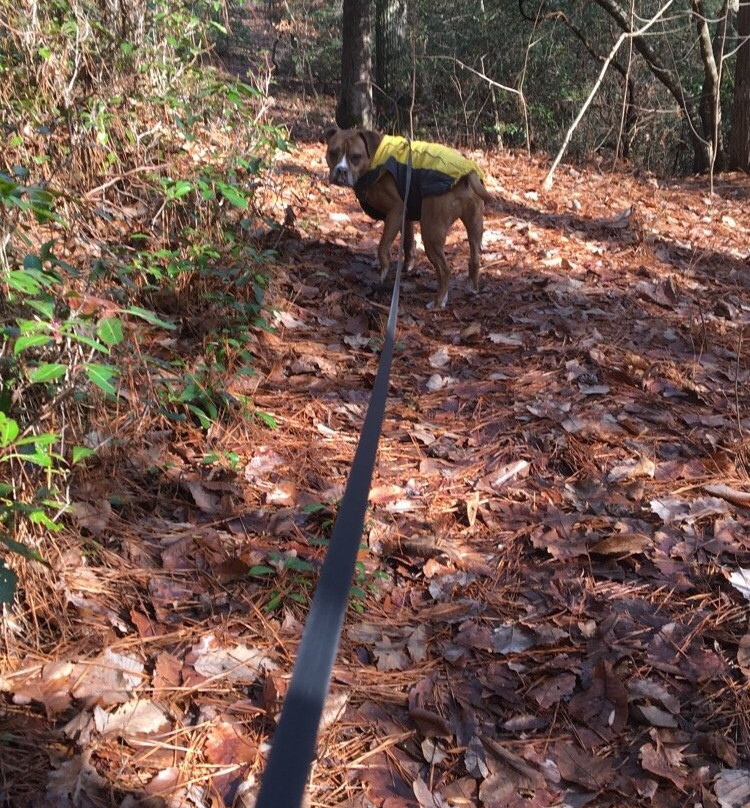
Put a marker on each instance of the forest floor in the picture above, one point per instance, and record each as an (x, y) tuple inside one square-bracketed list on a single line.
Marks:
[(553, 592)]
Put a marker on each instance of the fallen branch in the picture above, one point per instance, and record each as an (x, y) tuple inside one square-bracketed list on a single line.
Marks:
[(732, 495)]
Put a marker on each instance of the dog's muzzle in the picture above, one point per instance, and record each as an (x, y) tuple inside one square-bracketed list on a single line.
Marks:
[(341, 175)]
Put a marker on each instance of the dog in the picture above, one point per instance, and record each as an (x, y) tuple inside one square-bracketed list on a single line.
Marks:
[(445, 186)]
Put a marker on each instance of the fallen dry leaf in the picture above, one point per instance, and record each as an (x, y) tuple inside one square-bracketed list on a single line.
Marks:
[(732, 788), (437, 382), (134, 718), (630, 469), (743, 654), (283, 493), (385, 493), (226, 743), (475, 759), (472, 505), (433, 752), (207, 502), (111, 678), (50, 688), (510, 639), (390, 657), (654, 716), (76, 784), (167, 672), (622, 544), (579, 766), (510, 778), (551, 690), (333, 709), (440, 358), (236, 663), (425, 797), (416, 644), (603, 705), (165, 782), (740, 580), (505, 339), (264, 461), (654, 691), (94, 517), (430, 724), (716, 744), (664, 762)]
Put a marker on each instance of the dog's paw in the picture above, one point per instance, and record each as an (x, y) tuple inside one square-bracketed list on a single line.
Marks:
[(435, 305)]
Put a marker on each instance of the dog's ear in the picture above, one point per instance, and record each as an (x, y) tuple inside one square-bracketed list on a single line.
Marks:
[(371, 139), (329, 133)]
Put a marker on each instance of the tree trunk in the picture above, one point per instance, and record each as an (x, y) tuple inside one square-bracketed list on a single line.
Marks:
[(355, 102), (739, 138), (709, 107), (391, 58), (631, 118)]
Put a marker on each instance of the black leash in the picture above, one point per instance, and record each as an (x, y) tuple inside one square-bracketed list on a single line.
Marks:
[(293, 747)]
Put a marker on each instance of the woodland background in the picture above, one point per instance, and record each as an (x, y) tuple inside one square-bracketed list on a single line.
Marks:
[(550, 605)]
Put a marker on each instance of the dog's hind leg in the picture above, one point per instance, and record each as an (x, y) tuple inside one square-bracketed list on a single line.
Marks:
[(409, 246), (435, 223), (473, 220)]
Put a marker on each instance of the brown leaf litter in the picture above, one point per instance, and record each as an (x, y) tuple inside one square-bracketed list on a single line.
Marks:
[(560, 510)]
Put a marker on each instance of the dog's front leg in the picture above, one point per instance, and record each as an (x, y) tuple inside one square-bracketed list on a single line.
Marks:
[(391, 227)]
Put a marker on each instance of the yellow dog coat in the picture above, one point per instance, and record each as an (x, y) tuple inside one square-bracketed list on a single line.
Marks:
[(435, 170)]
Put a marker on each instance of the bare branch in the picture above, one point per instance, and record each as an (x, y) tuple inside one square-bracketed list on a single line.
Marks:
[(489, 81), (632, 35), (664, 74)]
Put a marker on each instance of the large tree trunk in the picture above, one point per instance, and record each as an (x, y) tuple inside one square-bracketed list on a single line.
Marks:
[(739, 138), (391, 59), (355, 102)]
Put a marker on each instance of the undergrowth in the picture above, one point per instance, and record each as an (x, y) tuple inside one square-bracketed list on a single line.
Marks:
[(129, 286)]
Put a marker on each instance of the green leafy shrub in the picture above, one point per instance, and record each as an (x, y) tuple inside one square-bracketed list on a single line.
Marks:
[(48, 354), (132, 155)]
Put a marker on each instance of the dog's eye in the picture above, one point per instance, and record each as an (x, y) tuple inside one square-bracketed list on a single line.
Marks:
[(334, 154), (355, 158)]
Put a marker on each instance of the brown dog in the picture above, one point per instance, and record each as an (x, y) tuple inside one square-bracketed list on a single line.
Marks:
[(444, 187)]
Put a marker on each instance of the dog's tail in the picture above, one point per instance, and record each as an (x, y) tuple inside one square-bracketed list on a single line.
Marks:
[(477, 186)]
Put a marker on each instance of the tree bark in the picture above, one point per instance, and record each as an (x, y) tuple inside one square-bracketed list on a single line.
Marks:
[(739, 138), (391, 53), (354, 107)]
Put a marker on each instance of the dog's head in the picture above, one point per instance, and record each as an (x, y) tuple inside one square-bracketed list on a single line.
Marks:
[(349, 153)]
